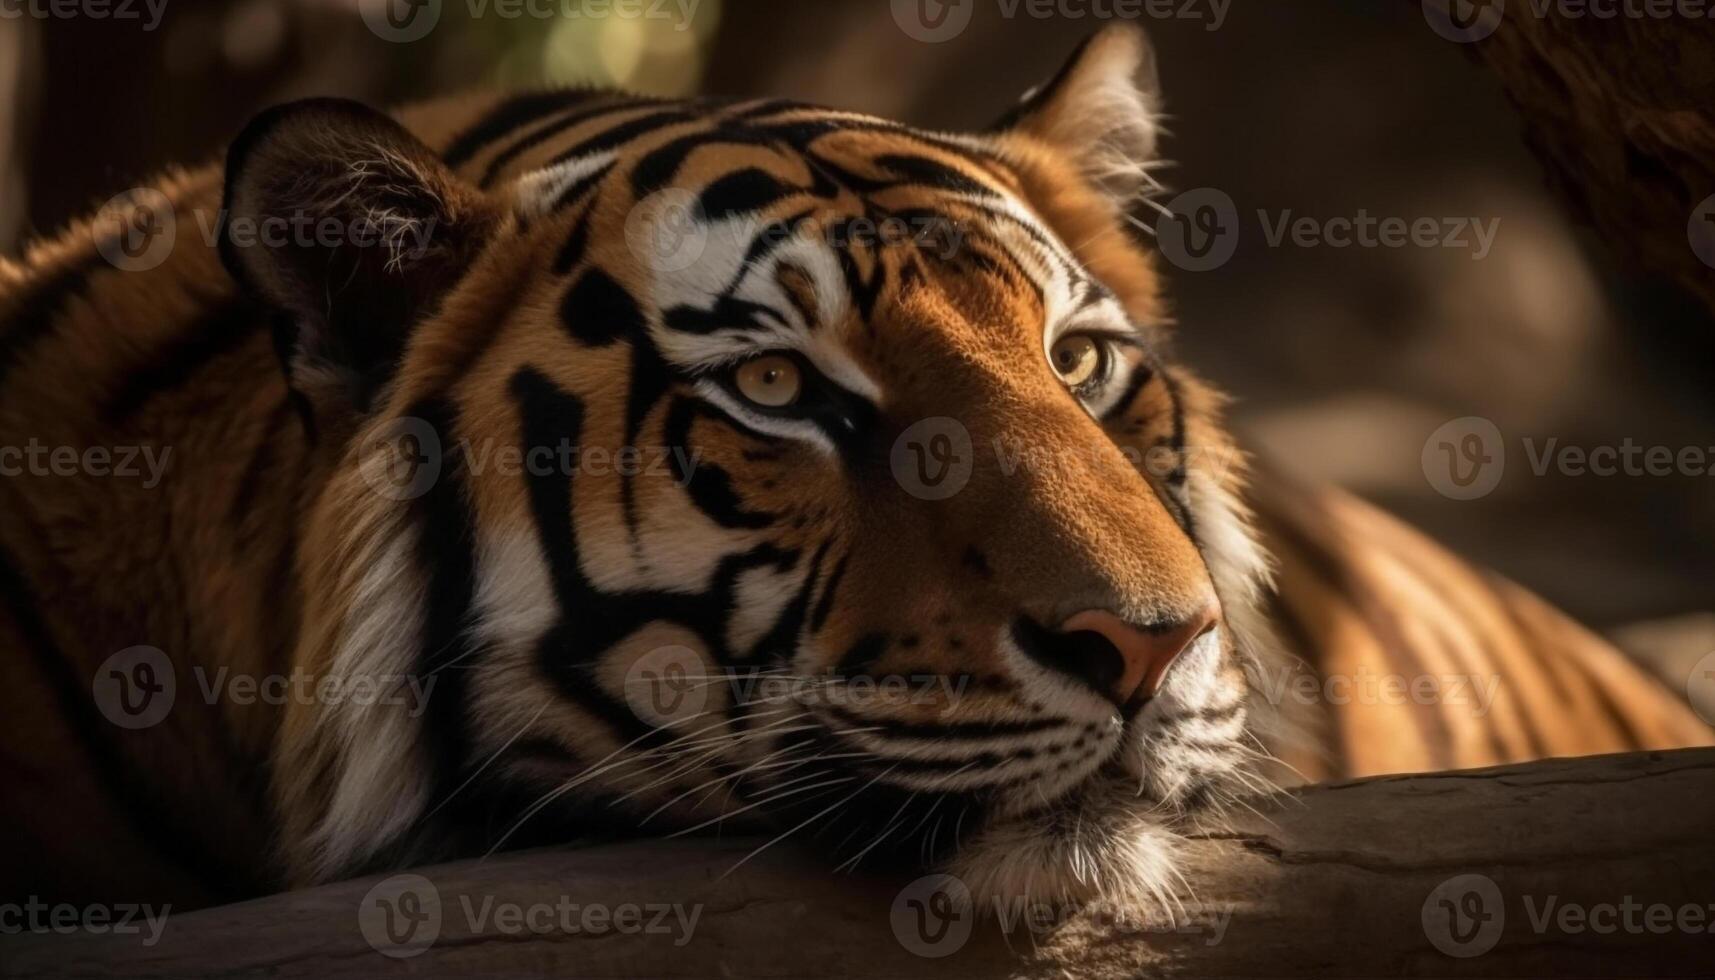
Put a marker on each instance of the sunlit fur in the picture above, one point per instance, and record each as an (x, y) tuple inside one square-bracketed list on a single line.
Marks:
[(779, 564)]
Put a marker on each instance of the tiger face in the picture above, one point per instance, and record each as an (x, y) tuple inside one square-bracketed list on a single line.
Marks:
[(791, 471)]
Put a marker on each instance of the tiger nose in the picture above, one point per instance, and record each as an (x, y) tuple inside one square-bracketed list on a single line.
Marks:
[(1144, 653)]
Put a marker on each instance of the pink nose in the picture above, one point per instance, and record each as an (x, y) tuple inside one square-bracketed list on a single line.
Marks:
[(1145, 652)]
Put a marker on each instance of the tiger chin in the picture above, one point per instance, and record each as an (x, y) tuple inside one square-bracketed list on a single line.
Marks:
[(711, 466)]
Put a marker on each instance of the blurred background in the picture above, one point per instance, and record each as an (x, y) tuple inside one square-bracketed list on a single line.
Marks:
[(1344, 361)]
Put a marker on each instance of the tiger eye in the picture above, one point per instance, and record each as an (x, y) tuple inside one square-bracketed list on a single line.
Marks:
[(772, 381), (1076, 359)]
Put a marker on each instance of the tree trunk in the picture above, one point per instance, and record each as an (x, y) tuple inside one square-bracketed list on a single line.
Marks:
[(1584, 867), (1621, 111)]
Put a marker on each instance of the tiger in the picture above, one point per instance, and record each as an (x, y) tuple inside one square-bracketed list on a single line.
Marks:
[(563, 465)]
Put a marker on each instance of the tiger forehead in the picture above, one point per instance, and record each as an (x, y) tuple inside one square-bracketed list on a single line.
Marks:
[(721, 228), (655, 139)]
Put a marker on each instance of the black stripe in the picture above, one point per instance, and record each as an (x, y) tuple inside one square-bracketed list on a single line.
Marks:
[(781, 640), (1325, 563), (550, 130), (830, 592), (660, 166), (507, 116), (598, 311), (741, 192), (446, 548), (930, 731), (578, 189), (709, 486), (624, 133)]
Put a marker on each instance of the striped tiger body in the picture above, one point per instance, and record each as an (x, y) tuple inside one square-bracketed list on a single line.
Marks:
[(573, 463)]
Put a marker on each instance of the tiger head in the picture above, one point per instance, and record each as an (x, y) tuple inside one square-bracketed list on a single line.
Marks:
[(754, 466)]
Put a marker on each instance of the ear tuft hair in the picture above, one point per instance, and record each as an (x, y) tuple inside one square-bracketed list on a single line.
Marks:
[(1101, 110), (339, 217)]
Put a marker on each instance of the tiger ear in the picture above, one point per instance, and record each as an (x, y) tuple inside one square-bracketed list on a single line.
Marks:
[(339, 217), (1102, 111)]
